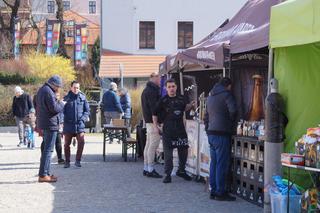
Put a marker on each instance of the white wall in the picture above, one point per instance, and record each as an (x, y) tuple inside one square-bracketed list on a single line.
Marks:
[(120, 21)]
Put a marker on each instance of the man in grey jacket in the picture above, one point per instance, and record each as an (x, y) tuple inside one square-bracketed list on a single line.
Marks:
[(220, 122)]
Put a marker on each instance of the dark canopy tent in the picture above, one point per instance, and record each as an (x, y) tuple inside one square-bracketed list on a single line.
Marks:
[(237, 49)]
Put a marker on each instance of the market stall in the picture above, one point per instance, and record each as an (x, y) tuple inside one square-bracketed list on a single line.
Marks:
[(238, 49), (296, 45)]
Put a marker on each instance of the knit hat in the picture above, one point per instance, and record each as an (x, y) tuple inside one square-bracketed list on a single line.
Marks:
[(18, 89), (55, 81)]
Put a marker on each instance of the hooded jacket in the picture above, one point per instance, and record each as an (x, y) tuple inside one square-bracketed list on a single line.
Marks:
[(221, 111), (149, 99), (76, 113)]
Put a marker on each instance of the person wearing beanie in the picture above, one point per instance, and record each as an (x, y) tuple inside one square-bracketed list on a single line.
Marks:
[(21, 107), (48, 110)]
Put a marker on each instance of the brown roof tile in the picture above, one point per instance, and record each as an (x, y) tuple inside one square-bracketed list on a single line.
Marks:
[(134, 65)]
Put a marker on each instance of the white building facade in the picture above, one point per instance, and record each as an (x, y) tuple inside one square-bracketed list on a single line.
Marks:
[(120, 22), (138, 34)]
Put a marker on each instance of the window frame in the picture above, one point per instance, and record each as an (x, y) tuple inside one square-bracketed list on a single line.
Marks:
[(51, 6), (183, 24), (92, 6), (63, 2), (148, 29)]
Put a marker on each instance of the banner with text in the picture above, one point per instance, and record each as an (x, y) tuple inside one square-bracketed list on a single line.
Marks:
[(17, 38), (52, 37), (81, 45)]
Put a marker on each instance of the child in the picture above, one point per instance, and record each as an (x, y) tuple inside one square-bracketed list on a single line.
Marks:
[(29, 130)]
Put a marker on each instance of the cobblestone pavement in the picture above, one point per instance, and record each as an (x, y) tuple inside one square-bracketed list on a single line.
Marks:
[(112, 186)]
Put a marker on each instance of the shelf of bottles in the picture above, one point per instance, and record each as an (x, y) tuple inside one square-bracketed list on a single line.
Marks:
[(248, 161)]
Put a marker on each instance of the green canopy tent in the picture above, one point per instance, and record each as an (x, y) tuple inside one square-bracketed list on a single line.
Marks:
[(295, 38)]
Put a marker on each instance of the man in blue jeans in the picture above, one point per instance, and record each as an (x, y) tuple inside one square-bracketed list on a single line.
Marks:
[(220, 122), (48, 109)]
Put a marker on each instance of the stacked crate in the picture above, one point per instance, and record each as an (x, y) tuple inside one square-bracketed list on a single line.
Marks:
[(247, 168)]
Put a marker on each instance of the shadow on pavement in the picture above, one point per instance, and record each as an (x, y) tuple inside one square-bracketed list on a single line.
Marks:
[(116, 186), (19, 182)]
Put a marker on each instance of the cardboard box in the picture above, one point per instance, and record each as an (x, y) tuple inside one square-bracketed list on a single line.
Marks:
[(293, 159)]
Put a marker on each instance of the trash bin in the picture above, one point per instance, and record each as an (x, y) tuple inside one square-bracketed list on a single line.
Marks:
[(91, 124), (279, 202)]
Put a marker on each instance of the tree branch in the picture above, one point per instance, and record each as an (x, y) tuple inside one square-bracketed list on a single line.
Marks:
[(8, 4)]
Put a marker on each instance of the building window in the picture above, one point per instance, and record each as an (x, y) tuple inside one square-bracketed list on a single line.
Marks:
[(185, 35), (146, 35), (51, 6), (66, 5), (70, 33), (92, 7)]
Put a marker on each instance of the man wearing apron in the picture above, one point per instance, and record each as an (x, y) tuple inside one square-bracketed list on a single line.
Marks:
[(171, 110)]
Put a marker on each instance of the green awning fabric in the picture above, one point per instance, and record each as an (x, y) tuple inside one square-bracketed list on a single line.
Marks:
[(295, 22), (297, 69)]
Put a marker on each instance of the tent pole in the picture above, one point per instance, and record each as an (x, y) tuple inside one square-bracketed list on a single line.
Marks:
[(181, 81), (270, 68)]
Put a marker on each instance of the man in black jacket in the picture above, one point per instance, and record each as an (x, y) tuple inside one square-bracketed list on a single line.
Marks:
[(220, 122), (21, 106), (48, 110), (149, 98)]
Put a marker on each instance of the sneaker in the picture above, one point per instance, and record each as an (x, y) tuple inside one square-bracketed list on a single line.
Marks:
[(61, 161), (145, 173), (167, 179), (20, 144), (225, 197), (184, 175), (77, 164), (67, 165), (154, 174)]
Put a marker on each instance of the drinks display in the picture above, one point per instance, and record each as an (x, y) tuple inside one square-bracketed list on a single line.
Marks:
[(251, 128)]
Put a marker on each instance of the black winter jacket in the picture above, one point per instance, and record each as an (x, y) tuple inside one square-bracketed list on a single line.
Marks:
[(149, 99), (21, 106), (221, 112)]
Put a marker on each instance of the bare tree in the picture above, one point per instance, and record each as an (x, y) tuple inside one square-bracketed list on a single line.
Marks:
[(62, 37), (7, 30), (37, 29)]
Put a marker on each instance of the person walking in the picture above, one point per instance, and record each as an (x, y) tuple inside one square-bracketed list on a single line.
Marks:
[(220, 123), (49, 108), (171, 110), (125, 101), (149, 98), (76, 113), (21, 108), (111, 104)]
